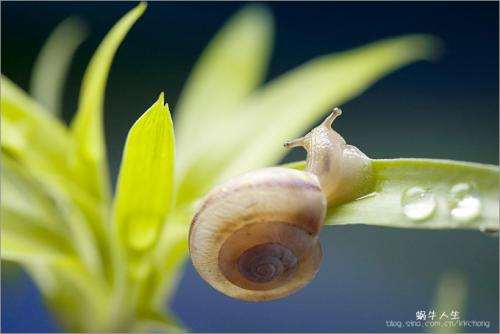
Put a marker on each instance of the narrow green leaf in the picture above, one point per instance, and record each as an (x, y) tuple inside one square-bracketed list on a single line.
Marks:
[(31, 133), (22, 195), (250, 137), (87, 127), (157, 321), (38, 141), (230, 68), (79, 300), (144, 191), (457, 195), (23, 239), (282, 108), (168, 259), (34, 213), (153, 322), (32, 229), (43, 148), (169, 272), (54, 290), (52, 64)]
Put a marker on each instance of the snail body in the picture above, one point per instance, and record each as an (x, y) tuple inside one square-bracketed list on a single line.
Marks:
[(255, 237), (343, 170)]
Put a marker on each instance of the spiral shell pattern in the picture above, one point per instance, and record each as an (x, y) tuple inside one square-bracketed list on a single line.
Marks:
[(256, 237)]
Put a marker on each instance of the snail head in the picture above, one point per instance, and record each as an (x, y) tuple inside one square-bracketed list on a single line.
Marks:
[(319, 133)]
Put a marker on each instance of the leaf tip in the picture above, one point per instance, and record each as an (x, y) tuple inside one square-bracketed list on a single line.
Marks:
[(429, 47), (161, 99), (141, 7), (435, 47), (75, 25), (162, 104), (258, 16)]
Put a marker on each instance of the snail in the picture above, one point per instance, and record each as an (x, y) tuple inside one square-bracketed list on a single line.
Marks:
[(255, 237)]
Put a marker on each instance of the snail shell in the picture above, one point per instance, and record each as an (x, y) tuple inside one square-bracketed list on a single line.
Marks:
[(256, 237)]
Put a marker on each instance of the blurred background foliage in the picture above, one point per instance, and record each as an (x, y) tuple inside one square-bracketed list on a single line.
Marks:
[(447, 109)]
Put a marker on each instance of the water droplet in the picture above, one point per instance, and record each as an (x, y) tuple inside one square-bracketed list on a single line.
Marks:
[(465, 204), (418, 203), (490, 231), (142, 231)]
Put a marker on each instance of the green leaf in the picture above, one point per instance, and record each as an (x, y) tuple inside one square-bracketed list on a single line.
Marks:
[(31, 134), (229, 69), (32, 229), (169, 270), (78, 300), (52, 64), (168, 258), (251, 136), (24, 240), (41, 144), (144, 191), (42, 149), (22, 195), (156, 322), (439, 178), (37, 219), (87, 127), (284, 107)]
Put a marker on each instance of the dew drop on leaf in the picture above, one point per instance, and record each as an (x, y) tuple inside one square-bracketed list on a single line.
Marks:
[(464, 202), (418, 203)]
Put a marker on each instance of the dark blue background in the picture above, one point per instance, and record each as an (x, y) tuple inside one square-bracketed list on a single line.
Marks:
[(446, 109)]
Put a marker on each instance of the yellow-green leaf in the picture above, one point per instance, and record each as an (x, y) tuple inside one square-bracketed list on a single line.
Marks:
[(32, 134), (23, 195), (288, 105), (168, 259), (251, 136), (425, 193), (32, 229), (78, 299), (144, 191), (53, 61), (25, 240), (41, 144), (87, 127), (155, 321), (229, 69), (43, 147), (35, 213)]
